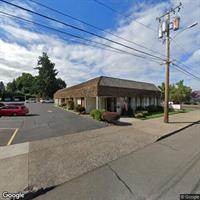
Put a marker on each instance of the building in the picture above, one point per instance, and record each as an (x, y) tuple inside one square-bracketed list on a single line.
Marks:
[(195, 96), (112, 94)]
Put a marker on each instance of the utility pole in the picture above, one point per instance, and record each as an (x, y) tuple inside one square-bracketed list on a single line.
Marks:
[(164, 30), (166, 106)]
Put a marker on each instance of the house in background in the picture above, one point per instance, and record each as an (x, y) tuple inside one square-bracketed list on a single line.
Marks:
[(195, 96), (111, 94)]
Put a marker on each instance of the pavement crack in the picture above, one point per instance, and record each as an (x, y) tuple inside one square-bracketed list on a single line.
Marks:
[(121, 180), (172, 148)]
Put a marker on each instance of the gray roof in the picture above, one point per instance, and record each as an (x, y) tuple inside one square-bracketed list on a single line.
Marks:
[(123, 83), (107, 86)]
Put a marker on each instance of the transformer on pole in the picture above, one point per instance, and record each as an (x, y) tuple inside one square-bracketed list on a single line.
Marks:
[(164, 33)]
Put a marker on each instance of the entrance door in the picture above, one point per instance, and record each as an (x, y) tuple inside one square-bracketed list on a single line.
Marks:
[(111, 104)]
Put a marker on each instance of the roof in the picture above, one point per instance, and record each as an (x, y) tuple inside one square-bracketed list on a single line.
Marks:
[(99, 85), (123, 83)]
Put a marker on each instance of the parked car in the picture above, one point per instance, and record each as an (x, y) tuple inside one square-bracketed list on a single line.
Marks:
[(31, 100), (2, 104), (47, 101), (14, 103), (13, 110)]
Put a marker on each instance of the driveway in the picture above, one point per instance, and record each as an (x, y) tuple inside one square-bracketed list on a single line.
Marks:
[(43, 121)]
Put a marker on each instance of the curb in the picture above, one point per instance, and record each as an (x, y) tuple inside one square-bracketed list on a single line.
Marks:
[(176, 131)]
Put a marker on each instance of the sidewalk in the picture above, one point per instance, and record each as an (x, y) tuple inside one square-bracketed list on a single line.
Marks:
[(80, 153), (53, 161), (160, 171), (157, 127)]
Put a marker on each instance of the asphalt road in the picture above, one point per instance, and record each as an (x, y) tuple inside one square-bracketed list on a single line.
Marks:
[(160, 171), (43, 121)]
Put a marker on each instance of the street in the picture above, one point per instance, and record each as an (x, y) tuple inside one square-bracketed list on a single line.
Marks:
[(43, 121), (162, 170)]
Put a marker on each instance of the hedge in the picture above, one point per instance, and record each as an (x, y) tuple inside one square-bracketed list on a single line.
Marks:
[(80, 109), (110, 116), (97, 114)]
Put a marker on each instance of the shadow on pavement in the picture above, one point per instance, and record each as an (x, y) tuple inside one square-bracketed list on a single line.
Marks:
[(184, 122), (31, 115), (32, 195), (118, 123)]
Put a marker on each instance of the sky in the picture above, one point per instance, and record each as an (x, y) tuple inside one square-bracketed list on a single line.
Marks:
[(21, 43)]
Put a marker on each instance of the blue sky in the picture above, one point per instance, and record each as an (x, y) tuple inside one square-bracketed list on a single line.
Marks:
[(22, 43)]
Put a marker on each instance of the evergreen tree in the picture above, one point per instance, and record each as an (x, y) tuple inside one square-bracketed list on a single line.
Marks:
[(46, 80)]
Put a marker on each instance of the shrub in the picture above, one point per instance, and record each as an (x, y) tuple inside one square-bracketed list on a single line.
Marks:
[(139, 108), (153, 108), (70, 105), (141, 114), (145, 112), (110, 116), (97, 114), (80, 109), (63, 104)]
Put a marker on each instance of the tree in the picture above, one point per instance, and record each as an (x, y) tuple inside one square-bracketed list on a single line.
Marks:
[(11, 87), (24, 83), (178, 93), (2, 88), (60, 84), (162, 89), (47, 83)]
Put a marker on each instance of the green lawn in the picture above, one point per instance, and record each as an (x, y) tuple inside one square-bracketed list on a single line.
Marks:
[(160, 114)]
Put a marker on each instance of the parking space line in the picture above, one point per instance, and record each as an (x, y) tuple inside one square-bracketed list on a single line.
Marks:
[(13, 136)]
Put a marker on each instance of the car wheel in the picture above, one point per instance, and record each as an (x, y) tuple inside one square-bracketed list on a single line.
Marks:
[(14, 114)]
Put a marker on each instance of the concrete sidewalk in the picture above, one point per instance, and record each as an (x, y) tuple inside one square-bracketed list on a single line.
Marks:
[(160, 171), (157, 127), (56, 160)]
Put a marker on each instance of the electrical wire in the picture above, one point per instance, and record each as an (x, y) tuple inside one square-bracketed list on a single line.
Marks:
[(93, 26), (180, 46), (122, 14), (185, 71), (80, 29), (181, 63), (77, 36)]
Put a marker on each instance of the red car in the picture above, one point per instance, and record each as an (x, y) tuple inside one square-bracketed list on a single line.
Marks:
[(13, 110)]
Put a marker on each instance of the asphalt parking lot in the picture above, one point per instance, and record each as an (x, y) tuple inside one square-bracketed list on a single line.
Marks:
[(43, 121)]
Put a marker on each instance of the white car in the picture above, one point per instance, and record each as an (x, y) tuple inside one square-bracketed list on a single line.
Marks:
[(31, 100), (47, 101)]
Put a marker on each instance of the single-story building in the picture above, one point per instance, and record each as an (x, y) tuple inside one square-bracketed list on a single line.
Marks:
[(112, 94)]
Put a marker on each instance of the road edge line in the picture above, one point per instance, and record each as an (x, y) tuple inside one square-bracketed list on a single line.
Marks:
[(13, 136)]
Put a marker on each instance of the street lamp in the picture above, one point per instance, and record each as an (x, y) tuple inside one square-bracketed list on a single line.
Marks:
[(188, 27)]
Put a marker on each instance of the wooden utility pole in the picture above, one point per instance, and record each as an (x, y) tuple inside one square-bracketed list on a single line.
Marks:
[(164, 30), (166, 103)]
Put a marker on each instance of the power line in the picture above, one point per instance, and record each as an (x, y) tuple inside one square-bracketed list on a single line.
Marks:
[(181, 63), (180, 46), (122, 14), (185, 71), (80, 29), (86, 44), (93, 26), (77, 36)]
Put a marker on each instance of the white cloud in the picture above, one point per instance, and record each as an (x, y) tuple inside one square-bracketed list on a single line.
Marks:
[(76, 62)]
